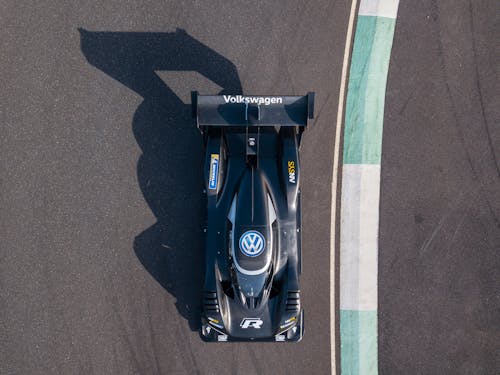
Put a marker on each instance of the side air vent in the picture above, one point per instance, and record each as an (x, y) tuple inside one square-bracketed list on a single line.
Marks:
[(210, 302), (293, 300)]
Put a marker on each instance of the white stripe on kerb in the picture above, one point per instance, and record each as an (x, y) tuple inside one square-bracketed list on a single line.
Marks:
[(379, 8), (359, 236)]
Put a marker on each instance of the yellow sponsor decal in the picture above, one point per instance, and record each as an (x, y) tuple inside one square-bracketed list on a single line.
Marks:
[(291, 171)]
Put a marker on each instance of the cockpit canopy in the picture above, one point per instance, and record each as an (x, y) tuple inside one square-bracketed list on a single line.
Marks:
[(252, 238)]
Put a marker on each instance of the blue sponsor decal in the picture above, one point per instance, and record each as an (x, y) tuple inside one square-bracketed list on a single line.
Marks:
[(214, 171)]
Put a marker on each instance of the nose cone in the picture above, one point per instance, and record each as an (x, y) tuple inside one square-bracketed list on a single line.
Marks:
[(251, 324)]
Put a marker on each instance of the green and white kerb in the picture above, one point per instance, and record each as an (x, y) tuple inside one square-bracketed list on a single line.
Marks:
[(361, 186)]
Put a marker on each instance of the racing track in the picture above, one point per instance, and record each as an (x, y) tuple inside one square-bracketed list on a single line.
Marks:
[(101, 180), (440, 192)]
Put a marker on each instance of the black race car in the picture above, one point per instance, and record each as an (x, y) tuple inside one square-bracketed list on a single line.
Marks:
[(253, 233)]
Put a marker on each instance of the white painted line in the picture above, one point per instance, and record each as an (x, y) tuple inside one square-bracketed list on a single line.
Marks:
[(359, 236), (336, 158), (379, 8)]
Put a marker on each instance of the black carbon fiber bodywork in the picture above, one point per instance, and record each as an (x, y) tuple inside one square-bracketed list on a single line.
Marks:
[(253, 239)]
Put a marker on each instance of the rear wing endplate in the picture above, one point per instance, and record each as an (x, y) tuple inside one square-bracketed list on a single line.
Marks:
[(252, 110)]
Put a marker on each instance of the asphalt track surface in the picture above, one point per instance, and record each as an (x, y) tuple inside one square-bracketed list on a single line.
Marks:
[(102, 252), (439, 245), (100, 165)]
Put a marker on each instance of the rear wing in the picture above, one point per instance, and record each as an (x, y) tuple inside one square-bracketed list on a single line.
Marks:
[(252, 110)]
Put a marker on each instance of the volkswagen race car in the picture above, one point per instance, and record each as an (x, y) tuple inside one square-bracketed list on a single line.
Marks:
[(253, 234)]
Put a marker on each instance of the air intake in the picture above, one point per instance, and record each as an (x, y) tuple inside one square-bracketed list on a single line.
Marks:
[(210, 302), (293, 300)]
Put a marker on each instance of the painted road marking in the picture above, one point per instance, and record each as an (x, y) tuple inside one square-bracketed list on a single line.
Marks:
[(360, 348), (379, 8), (366, 92), (336, 157), (358, 236), (360, 192)]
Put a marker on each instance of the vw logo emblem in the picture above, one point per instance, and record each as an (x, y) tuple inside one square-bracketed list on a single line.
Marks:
[(252, 243)]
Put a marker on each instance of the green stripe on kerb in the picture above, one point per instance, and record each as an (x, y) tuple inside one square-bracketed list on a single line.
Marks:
[(358, 342), (366, 91)]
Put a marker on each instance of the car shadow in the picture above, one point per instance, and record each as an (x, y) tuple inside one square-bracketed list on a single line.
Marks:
[(169, 170)]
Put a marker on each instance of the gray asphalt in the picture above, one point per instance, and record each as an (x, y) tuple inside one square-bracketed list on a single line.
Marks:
[(101, 204), (100, 172), (439, 255)]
